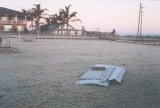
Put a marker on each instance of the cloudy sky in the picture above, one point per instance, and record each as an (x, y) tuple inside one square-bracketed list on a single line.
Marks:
[(102, 15)]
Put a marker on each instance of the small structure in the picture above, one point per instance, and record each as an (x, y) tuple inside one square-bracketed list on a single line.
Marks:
[(71, 31), (11, 20), (102, 74)]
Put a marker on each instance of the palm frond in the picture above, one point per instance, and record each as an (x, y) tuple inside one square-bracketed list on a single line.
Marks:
[(76, 20), (72, 15), (71, 26), (67, 8)]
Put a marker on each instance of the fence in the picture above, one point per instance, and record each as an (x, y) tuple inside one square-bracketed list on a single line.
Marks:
[(142, 39), (10, 43), (79, 34)]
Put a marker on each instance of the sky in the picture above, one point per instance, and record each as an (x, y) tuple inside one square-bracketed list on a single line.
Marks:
[(102, 15)]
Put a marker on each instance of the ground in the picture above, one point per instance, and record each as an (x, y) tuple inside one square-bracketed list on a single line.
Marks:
[(45, 73)]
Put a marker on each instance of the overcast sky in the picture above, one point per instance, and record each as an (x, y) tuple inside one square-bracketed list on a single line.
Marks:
[(103, 15)]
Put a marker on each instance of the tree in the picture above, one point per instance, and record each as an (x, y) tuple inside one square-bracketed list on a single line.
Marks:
[(61, 20), (31, 18), (37, 15), (67, 16), (54, 19), (25, 14), (44, 27), (28, 15)]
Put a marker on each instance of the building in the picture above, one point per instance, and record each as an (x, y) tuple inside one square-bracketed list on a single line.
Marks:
[(11, 20), (71, 31)]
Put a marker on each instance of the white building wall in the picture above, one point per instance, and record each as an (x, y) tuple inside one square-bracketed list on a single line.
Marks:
[(7, 27)]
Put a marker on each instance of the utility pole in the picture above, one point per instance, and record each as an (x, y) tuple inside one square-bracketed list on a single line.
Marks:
[(139, 31), (139, 20)]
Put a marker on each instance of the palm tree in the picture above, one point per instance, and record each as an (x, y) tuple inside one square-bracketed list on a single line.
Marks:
[(31, 18), (54, 19), (25, 14), (28, 16), (67, 16), (44, 27), (37, 14), (24, 17), (61, 20)]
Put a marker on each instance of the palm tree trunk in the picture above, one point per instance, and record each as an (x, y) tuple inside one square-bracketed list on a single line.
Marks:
[(67, 28), (32, 25), (61, 29)]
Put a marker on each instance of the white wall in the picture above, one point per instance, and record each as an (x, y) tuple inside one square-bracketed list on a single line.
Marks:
[(7, 27)]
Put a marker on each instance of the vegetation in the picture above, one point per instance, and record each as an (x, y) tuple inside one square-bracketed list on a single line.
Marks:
[(35, 14), (67, 16), (28, 15)]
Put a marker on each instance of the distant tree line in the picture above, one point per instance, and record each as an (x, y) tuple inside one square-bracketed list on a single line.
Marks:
[(36, 14)]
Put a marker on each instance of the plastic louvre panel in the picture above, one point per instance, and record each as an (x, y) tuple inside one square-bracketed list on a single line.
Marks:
[(85, 75), (118, 74), (93, 74), (107, 71), (90, 74), (98, 74), (107, 74), (98, 82), (112, 71), (102, 77), (88, 82), (106, 68)]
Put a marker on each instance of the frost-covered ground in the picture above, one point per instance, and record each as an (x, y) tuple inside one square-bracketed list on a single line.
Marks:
[(44, 75)]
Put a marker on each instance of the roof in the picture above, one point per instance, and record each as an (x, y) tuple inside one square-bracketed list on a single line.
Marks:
[(4, 11), (53, 26)]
